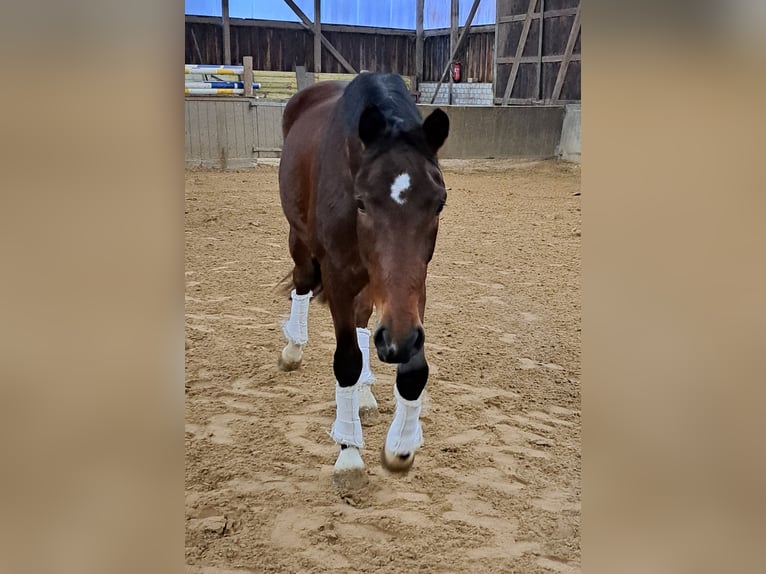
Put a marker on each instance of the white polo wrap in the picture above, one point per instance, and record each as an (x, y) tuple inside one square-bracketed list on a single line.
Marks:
[(405, 434), (296, 329), (347, 428)]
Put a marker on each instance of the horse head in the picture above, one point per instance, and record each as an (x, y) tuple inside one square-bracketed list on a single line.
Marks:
[(399, 193)]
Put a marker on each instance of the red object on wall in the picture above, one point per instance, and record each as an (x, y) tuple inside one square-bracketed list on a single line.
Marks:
[(456, 69)]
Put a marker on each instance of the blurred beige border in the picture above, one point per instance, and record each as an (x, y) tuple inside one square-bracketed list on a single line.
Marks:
[(673, 205), (91, 295)]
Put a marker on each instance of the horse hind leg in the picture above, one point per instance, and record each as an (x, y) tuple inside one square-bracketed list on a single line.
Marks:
[(306, 277), (368, 406)]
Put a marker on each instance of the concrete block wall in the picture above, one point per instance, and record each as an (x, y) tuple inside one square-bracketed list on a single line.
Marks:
[(569, 147), (529, 132), (463, 94)]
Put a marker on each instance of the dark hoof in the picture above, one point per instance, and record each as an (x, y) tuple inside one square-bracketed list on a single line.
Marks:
[(399, 463)]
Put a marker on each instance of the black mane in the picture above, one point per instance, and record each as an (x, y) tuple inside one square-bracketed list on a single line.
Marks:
[(389, 94)]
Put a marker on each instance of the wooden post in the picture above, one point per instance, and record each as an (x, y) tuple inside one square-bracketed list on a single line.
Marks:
[(519, 52), (453, 26), (567, 56), (463, 36), (226, 33), (247, 75), (317, 36), (308, 25), (540, 51), (419, 42)]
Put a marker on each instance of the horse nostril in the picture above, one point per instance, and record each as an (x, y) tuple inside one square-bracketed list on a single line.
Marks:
[(420, 339), (382, 343), (379, 338)]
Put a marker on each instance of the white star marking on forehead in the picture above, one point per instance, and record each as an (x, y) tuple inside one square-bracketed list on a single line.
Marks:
[(400, 185)]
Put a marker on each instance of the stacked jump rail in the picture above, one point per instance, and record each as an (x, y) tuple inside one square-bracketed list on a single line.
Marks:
[(216, 80)]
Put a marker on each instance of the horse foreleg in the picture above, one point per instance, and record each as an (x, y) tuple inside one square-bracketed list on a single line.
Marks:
[(368, 406), (347, 366), (405, 434)]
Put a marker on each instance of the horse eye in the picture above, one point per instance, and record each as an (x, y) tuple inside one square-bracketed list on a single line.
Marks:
[(359, 204), (440, 206)]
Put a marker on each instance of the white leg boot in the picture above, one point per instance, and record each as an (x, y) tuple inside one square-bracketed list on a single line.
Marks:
[(368, 406), (405, 435), (347, 431), (296, 331)]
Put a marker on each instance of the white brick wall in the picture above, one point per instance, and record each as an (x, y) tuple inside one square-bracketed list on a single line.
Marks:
[(463, 94)]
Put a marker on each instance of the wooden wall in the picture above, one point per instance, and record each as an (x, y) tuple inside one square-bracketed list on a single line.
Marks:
[(231, 132), (283, 46), (280, 46), (475, 56), (558, 20)]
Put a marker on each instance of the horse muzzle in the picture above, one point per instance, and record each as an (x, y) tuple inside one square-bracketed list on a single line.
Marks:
[(398, 351)]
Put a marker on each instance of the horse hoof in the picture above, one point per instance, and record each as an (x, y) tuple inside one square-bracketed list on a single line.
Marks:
[(349, 474), (399, 463), (369, 415), (368, 406), (287, 366), (291, 357)]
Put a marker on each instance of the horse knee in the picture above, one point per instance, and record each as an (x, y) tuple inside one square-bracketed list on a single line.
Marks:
[(347, 365), (307, 276), (410, 383)]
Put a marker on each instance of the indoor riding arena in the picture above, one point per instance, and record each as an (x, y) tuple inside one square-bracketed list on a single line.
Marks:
[(496, 486)]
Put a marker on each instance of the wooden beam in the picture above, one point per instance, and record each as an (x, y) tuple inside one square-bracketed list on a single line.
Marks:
[(548, 14), (460, 41), (317, 36), (226, 33), (419, 9), (307, 24), (247, 76), (535, 59), (478, 29), (196, 47), (519, 52), (246, 22), (454, 22), (496, 35), (567, 56), (539, 87)]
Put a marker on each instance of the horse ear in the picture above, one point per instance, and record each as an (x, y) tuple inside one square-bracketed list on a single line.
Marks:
[(372, 124), (436, 128)]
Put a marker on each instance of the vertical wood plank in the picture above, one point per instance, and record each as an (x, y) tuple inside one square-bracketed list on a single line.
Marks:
[(541, 21), (187, 134), (247, 75), (247, 122), (205, 134), (235, 152), (453, 26), (195, 134), (317, 36), (567, 56), (260, 132), (226, 33), (223, 150), (419, 40), (495, 42), (519, 52)]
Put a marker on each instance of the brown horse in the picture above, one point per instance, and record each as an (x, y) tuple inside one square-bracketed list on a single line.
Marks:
[(362, 190)]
